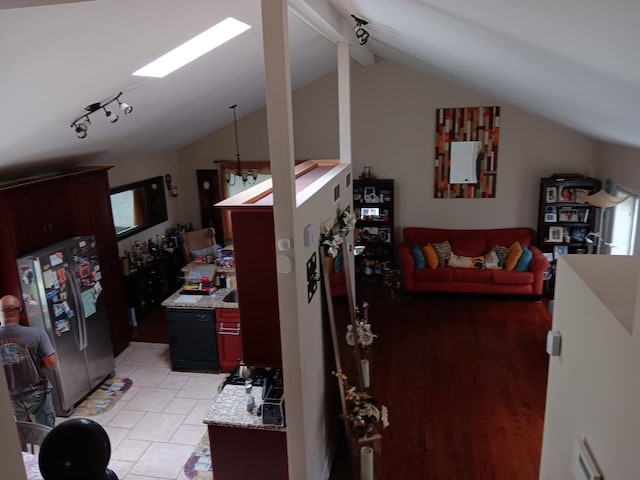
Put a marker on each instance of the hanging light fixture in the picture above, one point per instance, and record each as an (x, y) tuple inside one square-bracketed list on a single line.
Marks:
[(81, 124), (246, 175)]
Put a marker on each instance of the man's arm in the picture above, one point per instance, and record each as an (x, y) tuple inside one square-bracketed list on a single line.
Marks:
[(50, 362)]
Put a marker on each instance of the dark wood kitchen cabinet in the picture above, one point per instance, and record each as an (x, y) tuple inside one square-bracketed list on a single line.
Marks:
[(39, 211)]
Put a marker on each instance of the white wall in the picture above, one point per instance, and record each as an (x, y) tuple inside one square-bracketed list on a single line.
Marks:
[(393, 130), (620, 164), (594, 386)]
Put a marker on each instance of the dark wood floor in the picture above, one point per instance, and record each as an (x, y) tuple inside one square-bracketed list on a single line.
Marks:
[(464, 380)]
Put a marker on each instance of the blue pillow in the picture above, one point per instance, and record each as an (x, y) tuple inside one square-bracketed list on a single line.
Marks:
[(418, 256), (337, 262), (525, 260)]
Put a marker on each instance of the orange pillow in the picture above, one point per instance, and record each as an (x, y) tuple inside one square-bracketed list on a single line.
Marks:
[(431, 256), (515, 252), (329, 264)]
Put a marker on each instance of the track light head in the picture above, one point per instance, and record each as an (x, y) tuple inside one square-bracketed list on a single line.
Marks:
[(81, 132), (82, 123), (361, 33), (112, 117), (125, 107)]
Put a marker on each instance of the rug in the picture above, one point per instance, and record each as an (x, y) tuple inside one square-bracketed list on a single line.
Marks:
[(198, 467), (104, 397)]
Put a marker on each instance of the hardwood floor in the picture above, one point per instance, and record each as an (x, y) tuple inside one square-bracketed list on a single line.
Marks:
[(464, 379), (465, 383)]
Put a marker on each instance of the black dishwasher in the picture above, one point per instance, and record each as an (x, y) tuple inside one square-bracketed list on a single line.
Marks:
[(192, 339)]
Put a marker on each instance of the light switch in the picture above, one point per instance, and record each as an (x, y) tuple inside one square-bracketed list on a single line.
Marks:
[(311, 234), (284, 244), (554, 342)]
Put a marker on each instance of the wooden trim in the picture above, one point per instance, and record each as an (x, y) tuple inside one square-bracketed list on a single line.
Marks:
[(29, 182)]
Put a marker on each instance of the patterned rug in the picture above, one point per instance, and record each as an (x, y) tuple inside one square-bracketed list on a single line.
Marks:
[(104, 398), (198, 467)]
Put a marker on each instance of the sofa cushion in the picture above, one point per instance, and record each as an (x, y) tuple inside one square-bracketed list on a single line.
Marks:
[(515, 252), (502, 253), (418, 256), (525, 259), (443, 250), (468, 245), (433, 275), (511, 277), (471, 275), (430, 256), (506, 236)]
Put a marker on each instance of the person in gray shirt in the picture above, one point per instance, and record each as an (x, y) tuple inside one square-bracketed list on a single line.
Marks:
[(25, 352)]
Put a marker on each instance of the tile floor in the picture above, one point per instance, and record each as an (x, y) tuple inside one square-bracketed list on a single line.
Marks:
[(156, 425)]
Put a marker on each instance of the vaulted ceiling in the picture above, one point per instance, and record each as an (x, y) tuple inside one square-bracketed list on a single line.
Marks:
[(574, 61)]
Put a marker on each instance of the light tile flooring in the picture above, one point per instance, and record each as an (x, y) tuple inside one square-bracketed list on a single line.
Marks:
[(156, 425)]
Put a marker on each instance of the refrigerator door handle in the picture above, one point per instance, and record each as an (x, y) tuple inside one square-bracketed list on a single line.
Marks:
[(82, 325)]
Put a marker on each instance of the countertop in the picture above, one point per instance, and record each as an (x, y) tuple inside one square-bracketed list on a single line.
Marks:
[(229, 409), (204, 302)]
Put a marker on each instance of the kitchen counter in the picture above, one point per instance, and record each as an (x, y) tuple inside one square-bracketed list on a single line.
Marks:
[(229, 409), (204, 302)]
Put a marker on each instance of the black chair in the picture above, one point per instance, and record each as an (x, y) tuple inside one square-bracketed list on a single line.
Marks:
[(31, 435)]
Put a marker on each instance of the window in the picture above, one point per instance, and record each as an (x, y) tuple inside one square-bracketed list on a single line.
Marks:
[(624, 225)]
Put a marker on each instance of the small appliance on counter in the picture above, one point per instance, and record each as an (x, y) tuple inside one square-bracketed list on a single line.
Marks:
[(273, 406)]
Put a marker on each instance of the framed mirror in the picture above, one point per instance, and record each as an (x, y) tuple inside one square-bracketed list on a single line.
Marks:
[(138, 206)]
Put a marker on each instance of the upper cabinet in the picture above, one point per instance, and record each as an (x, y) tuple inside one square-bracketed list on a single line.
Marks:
[(38, 212), (564, 218)]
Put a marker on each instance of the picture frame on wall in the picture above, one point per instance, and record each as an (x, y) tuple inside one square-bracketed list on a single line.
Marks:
[(556, 234), (552, 194)]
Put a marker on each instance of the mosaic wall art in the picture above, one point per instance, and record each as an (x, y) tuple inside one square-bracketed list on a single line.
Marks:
[(471, 124)]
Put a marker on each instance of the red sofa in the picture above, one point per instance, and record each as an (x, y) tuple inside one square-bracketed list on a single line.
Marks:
[(471, 243)]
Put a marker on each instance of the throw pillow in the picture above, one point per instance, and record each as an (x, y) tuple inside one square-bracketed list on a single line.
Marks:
[(418, 256), (203, 252), (431, 256), (443, 250), (329, 261), (502, 253), (458, 261), (337, 262), (525, 259), (515, 252), (492, 261)]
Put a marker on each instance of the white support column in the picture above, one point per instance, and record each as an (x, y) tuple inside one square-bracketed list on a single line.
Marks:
[(344, 101), (281, 155)]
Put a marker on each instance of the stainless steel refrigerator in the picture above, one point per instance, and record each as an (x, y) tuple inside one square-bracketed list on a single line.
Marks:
[(62, 294)]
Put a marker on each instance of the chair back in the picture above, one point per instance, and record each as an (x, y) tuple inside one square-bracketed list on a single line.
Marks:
[(196, 240), (31, 435)]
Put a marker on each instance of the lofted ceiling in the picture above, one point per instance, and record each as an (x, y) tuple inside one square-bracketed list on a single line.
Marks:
[(574, 61)]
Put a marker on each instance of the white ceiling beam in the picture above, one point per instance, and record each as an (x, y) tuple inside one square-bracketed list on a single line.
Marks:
[(325, 20)]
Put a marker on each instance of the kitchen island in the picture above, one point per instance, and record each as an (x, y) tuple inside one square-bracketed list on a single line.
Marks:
[(204, 331), (241, 445)]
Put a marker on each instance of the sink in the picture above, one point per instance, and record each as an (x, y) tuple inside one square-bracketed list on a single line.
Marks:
[(232, 297)]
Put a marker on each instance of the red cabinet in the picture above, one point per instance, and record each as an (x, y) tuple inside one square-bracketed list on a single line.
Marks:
[(37, 212), (229, 338)]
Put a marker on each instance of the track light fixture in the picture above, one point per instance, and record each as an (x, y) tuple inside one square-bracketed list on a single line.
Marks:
[(361, 34), (246, 175), (82, 123)]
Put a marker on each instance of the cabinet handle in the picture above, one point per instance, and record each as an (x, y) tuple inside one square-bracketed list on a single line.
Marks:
[(228, 331), (202, 317)]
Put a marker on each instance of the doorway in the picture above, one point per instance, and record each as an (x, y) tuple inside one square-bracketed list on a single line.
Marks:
[(208, 196)]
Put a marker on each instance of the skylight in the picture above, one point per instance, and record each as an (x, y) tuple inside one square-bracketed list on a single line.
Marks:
[(191, 49)]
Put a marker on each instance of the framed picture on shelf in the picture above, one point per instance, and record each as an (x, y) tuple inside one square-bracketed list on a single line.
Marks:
[(578, 234), (555, 234), (384, 235), (567, 214), (548, 256), (581, 194), (370, 195), (560, 250), (550, 217), (567, 194), (583, 215), (552, 194)]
